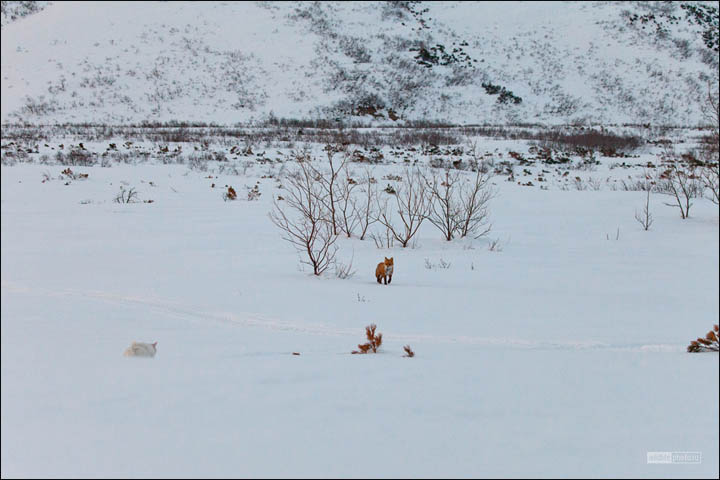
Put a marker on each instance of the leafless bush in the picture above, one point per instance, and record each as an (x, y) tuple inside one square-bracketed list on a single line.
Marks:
[(412, 201), (374, 341), (680, 181), (408, 351), (634, 185), (424, 137), (442, 264), (475, 199), (347, 217), (306, 224), (355, 48), (444, 208), (10, 158), (594, 184), (458, 208), (617, 235), (608, 143), (126, 196), (383, 239), (364, 207), (76, 157), (342, 271), (645, 218), (329, 182), (38, 107), (710, 106), (710, 177), (707, 344), (253, 193), (710, 151), (495, 245)]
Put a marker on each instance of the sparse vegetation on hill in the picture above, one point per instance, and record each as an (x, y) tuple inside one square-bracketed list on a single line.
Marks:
[(398, 63)]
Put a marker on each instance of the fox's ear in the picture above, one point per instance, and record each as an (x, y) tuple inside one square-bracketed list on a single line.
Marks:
[(392, 258), (386, 259)]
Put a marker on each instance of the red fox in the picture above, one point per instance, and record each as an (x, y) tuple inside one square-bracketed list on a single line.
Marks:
[(384, 270)]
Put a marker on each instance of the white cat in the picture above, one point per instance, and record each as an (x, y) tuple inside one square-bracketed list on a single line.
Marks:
[(140, 349)]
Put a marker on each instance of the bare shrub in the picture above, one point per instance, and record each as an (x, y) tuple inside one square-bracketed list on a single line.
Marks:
[(408, 351), (444, 209), (411, 200), (594, 184), (253, 193), (76, 157), (373, 340), (680, 181), (707, 344), (710, 107), (347, 216), (126, 196), (342, 271), (710, 177), (495, 245), (645, 218), (475, 200), (384, 239), (330, 181), (710, 150), (609, 144), (307, 228), (442, 264), (617, 235), (364, 207), (37, 107)]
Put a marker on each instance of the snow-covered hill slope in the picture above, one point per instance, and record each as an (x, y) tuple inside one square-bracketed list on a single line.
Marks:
[(466, 62)]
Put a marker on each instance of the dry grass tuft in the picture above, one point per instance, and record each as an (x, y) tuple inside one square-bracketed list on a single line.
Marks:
[(373, 343), (707, 344)]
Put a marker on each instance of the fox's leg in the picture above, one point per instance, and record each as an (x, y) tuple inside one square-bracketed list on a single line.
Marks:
[(385, 278), (389, 278), (378, 280)]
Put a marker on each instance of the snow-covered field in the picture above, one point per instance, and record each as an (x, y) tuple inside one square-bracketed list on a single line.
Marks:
[(555, 346), (563, 354)]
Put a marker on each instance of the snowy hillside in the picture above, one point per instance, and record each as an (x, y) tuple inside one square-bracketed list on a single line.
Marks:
[(465, 62)]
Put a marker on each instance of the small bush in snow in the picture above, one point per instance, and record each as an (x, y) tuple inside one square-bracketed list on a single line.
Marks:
[(495, 246), (76, 156), (434, 266), (645, 218), (72, 175), (408, 351), (681, 182), (373, 340), (253, 193), (342, 271), (707, 344), (126, 196), (231, 194)]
